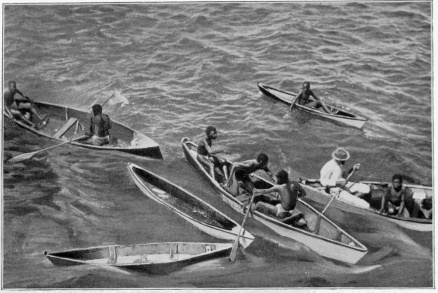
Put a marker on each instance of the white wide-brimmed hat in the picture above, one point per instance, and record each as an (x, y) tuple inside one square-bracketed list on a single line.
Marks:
[(340, 154)]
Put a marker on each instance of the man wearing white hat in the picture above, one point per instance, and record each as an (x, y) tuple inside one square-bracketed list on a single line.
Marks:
[(331, 175)]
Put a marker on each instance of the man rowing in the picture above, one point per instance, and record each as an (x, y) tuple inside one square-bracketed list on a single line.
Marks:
[(19, 106), (332, 172), (208, 157)]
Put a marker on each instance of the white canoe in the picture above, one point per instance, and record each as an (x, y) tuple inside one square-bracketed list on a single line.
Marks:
[(153, 258), (342, 116), (186, 205), (329, 240), (351, 202)]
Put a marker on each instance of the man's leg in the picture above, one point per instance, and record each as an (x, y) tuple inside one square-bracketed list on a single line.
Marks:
[(324, 106), (20, 116), (359, 190), (28, 107)]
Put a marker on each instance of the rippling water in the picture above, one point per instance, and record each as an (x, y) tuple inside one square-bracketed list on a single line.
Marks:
[(173, 69)]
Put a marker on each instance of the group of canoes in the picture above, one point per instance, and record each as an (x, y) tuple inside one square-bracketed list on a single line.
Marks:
[(68, 125)]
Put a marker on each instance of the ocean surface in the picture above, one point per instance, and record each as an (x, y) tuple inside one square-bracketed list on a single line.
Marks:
[(174, 68)]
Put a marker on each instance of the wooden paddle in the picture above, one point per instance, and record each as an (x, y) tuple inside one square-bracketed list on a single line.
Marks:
[(340, 189), (26, 156), (233, 253), (318, 220)]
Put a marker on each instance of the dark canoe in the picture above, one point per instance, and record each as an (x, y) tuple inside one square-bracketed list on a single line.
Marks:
[(153, 258), (186, 205), (321, 234), (342, 116), (62, 126), (415, 194)]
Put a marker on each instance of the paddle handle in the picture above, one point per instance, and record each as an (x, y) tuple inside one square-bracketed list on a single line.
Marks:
[(233, 253)]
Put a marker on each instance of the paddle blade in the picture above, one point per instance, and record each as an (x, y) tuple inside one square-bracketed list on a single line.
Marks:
[(22, 157), (233, 254)]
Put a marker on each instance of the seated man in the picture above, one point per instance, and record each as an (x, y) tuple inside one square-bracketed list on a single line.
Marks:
[(240, 172), (394, 200), (288, 192), (303, 98), (100, 124), (208, 158), (20, 106), (331, 177)]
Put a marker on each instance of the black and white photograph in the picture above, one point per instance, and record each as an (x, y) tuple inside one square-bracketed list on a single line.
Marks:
[(218, 145)]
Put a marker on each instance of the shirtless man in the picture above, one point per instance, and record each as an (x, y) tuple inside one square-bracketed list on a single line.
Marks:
[(303, 98), (20, 106), (394, 200), (207, 157), (288, 192), (100, 124), (240, 171)]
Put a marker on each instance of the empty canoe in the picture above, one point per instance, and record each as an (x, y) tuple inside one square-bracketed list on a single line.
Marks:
[(67, 123), (197, 212), (342, 116), (321, 234), (153, 258)]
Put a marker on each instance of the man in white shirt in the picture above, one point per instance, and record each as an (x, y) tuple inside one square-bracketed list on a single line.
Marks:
[(332, 172)]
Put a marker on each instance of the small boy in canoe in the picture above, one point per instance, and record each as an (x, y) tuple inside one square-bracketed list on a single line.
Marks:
[(394, 200), (303, 98)]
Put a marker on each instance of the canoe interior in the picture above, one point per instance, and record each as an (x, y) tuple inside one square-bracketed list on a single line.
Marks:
[(327, 229), (139, 254), (124, 137), (182, 201)]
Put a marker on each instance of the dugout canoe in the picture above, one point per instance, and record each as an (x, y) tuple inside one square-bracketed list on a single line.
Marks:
[(152, 258), (342, 116), (186, 205), (66, 123), (321, 234), (416, 193)]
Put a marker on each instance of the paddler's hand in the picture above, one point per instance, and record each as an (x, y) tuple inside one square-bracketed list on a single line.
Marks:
[(356, 167)]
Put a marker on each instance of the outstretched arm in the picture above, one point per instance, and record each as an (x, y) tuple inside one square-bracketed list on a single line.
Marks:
[(297, 100), (274, 188)]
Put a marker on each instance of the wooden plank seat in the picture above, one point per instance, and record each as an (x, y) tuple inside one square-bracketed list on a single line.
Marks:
[(65, 128)]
